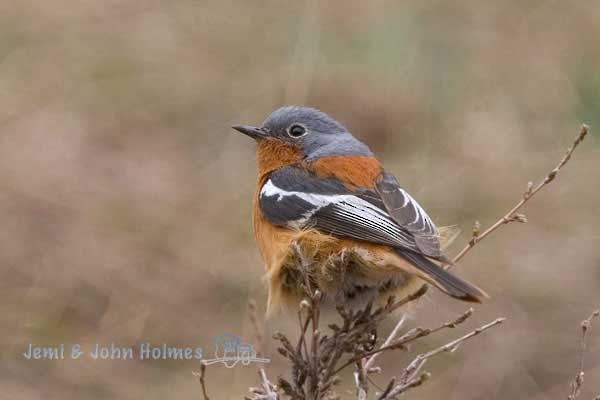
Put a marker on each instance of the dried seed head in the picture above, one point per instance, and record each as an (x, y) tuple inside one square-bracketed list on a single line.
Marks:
[(585, 325), (520, 218), (305, 304), (318, 295), (476, 229)]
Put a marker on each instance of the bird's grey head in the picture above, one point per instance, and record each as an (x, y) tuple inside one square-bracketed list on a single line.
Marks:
[(313, 132)]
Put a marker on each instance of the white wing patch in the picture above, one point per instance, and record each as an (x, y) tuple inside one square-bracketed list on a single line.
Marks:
[(352, 208), (420, 214)]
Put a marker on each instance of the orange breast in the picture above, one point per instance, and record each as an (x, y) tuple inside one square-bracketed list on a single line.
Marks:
[(353, 171), (272, 154), (272, 241)]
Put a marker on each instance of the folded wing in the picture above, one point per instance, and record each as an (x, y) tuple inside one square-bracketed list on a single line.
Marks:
[(408, 213), (295, 198)]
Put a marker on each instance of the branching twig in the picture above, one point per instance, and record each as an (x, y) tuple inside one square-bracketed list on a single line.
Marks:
[(586, 325), (360, 378), (414, 367), (387, 342), (267, 386), (410, 336), (267, 391), (512, 215), (409, 377), (412, 383), (316, 358)]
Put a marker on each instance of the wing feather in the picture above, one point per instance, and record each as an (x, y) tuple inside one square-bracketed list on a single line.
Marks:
[(294, 198), (405, 210)]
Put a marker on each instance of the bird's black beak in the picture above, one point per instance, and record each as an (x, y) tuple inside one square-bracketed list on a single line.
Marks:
[(254, 132)]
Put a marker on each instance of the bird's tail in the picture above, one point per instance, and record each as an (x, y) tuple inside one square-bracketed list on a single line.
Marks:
[(444, 280)]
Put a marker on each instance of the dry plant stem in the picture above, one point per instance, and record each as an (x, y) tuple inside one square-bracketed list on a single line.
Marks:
[(512, 216), (202, 381), (418, 362), (398, 390), (366, 367), (387, 390), (270, 394), (409, 377), (410, 336), (360, 378), (317, 359), (315, 356), (387, 342), (577, 383)]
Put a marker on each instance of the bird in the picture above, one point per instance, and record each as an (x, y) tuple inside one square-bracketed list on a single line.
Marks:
[(322, 196)]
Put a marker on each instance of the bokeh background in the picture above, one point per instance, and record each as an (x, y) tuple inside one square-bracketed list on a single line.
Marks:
[(125, 197)]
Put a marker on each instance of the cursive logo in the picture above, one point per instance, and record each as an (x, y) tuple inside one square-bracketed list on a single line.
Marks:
[(229, 350)]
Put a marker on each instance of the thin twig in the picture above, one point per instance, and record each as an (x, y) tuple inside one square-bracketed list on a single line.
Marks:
[(414, 367), (315, 359), (269, 393), (409, 379), (512, 215), (397, 390), (387, 390), (410, 336), (452, 346), (577, 383), (200, 376), (360, 380), (387, 341)]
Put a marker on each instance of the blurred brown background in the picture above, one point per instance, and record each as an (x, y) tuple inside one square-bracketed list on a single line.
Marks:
[(125, 197)]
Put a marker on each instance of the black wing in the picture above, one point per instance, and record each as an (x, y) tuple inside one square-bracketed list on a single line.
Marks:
[(409, 214), (293, 197)]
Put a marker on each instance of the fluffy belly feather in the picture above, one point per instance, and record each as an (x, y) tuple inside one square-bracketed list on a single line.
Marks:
[(346, 271)]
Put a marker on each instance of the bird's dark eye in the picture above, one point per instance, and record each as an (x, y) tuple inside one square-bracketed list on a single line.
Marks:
[(296, 130)]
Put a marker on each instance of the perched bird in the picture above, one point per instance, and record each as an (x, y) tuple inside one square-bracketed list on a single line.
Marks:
[(322, 195)]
